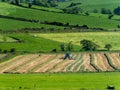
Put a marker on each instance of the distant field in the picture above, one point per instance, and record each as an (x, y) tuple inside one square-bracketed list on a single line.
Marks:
[(49, 9), (90, 5), (100, 38), (60, 81), (35, 42), (30, 44), (14, 25), (15, 11)]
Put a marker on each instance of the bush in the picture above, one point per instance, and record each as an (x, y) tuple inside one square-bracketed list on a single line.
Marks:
[(88, 45), (5, 51), (117, 10), (0, 50), (105, 11), (12, 50)]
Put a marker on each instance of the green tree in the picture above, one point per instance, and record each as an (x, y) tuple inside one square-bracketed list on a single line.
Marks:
[(74, 10), (29, 5), (105, 11), (69, 46), (88, 45), (117, 10), (12, 50), (108, 46), (62, 46), (110, 16)]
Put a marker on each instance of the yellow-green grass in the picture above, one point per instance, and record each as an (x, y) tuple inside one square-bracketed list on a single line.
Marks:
[(4, 38), (100, 38), (60, 81)]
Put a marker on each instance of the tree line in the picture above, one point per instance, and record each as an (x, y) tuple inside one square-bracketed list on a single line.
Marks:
[(87, 45), (46, 3)]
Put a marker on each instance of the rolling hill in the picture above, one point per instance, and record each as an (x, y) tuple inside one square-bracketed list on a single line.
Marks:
[(100, 21)]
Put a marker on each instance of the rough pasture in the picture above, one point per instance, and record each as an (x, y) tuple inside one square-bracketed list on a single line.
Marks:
[(37, 63)]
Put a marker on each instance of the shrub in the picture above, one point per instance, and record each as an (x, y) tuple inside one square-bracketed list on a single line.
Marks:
[(5, 51), (88, 45), (12, 50), (117, 10)]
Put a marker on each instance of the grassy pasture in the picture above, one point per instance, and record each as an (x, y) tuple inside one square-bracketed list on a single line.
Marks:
[(100, 38), (60, 81), (4, 38), (12, 25), (35, 42), (49, 9), (59, 17), (30, 44), (89, 5)]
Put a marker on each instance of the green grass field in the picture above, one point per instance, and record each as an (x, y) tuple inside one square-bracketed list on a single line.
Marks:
[(100, 38), (14, 25), (35, 42), (4, 38), (90, 5), (15, 11), (60, 81), (30, 44)]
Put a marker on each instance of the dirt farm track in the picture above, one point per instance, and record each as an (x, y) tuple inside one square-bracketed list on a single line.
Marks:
[(82, 62)]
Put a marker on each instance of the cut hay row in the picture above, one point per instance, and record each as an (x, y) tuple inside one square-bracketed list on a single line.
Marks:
[(6, 64), (31, 66), (86, 63), (76, 59), (111, 62), (102, 63), (77, 63), (82, 62), (99, 61), (61, 66), (115, 58), (92, 63), (46, 67), (15, 69), (19, 62)]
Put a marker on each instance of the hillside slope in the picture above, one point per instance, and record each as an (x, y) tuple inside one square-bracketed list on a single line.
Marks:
[(42, 16)]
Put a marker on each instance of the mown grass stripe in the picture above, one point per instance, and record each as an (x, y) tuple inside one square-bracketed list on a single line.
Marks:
[(44, 63), (110, 62), (17, 67), (92, 63)]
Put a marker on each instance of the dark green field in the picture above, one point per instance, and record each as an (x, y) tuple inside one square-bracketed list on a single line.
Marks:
[(19, 12), (60, 81)]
